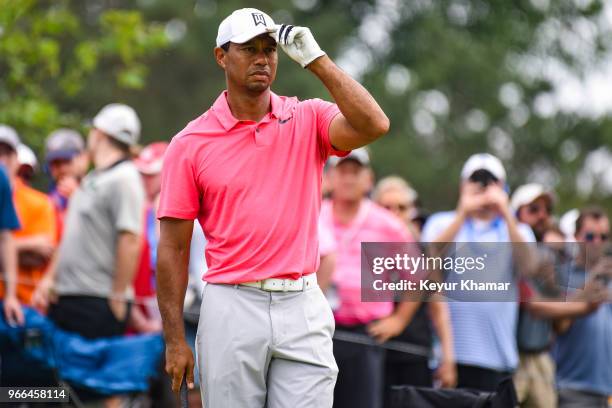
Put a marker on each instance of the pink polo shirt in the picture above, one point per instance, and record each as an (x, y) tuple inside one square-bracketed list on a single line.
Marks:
[(371, 224), (254, 187)]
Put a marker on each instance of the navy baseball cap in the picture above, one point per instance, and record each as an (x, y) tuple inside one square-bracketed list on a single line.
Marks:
[(63, 144)]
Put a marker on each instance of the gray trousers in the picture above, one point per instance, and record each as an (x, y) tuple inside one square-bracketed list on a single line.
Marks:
[(265, 349)]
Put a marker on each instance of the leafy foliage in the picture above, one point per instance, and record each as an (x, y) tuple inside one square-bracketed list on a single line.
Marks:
[(455, 76), (49, 56)]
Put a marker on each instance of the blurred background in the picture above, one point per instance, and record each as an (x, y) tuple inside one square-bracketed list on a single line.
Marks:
[(527, 80)]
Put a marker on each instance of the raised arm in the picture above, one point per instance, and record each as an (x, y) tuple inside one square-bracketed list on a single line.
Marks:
[(361, 120), (172, 277)]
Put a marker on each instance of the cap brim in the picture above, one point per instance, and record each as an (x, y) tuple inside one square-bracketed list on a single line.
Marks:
[(9, 144), (545, 194), (338, 160), (61, 155), (467, 177), (148, 168), (242, 38)]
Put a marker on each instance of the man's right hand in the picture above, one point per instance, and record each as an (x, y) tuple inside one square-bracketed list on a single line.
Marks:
[(67, 185), (179, 364), (472, 199), (13, 313), (603, 268), (596, 289)]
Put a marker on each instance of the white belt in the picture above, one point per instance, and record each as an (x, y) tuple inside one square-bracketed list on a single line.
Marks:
[(284, 285)]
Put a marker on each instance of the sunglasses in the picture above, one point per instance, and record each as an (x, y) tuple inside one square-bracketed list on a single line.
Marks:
[(399, 207), (591, 236), (537, 208)]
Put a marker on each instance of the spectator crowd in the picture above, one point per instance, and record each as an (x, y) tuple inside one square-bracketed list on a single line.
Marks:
[(84, 254)]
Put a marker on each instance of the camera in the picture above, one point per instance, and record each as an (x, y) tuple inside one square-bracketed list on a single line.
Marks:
[(483, 177)]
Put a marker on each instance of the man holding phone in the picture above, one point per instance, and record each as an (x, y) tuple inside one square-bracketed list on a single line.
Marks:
[(583, 351)]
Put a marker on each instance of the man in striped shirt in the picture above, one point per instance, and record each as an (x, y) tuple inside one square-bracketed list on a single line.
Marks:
[(483, 332)]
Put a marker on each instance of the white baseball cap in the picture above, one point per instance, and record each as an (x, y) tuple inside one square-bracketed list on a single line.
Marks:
[(244, 24), (360, 155), (483, 161), (528, 193), (567, 223), (9, 136), (25, 156), (119, 122)]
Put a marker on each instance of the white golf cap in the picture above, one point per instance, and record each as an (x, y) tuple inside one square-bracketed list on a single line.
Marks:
[(567, 223), (9, 136), (244, 24), (360, 155), (528, 193), (119, 122), (483, 161), (25, 156)]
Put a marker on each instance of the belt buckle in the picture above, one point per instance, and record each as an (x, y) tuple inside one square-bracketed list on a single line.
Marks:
[(285, 285)]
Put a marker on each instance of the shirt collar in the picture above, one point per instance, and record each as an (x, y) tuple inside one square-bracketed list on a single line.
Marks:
[(228, 121)]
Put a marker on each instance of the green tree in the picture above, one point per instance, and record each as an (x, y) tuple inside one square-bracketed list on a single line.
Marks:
[(457, 81), (439, 68), (50, 56)]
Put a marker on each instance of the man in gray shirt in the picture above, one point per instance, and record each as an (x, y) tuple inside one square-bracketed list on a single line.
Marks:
[(100, 248)]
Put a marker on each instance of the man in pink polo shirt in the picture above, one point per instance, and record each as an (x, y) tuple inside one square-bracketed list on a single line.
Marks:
[(249, 169), (355, 219)]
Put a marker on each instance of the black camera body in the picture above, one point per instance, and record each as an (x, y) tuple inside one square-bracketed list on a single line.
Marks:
[(483, 177)]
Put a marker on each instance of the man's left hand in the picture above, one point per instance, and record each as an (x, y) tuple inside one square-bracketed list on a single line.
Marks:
[(118, 307), (446, 373), (386, 328), (499, 199), (298, 43)]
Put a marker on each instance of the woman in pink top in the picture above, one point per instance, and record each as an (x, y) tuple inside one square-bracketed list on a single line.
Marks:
[(353, 220)]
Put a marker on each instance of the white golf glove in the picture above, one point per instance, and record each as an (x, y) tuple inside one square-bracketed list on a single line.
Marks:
[(298, 43)]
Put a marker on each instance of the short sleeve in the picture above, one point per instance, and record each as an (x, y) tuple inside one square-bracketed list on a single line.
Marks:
[(180, 194), (8, 215), (434, 226), (325, 112), (128, 205)]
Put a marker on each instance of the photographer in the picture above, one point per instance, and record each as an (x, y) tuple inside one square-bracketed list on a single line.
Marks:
[(583, 352), (483, 332)]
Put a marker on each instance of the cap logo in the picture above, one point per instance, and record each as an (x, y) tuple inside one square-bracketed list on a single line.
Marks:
[(258, 18)]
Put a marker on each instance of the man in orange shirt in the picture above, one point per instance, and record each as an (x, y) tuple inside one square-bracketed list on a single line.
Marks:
[(36, 239)]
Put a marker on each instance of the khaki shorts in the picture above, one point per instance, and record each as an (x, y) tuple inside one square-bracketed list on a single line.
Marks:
[(535, 381)]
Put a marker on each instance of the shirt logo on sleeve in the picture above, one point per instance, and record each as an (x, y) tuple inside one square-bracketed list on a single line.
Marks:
[(258, 18)]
